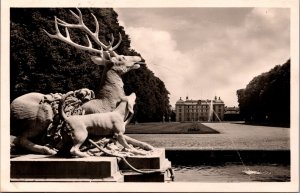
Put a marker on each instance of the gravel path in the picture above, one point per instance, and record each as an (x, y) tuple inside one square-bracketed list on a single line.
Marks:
[(232, 136)]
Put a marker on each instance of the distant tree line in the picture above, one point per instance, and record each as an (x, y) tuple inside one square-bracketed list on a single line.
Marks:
[(41, 64), (266, 99)]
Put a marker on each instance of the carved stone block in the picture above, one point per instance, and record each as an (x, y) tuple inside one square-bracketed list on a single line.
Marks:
[(49, 168)]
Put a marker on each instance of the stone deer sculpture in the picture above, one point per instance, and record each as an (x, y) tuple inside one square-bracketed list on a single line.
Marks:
[(33, 119)]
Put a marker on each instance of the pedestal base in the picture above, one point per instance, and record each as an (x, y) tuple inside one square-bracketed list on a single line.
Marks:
[(154, 161), (50, 168), (130, 176), (107, 169)]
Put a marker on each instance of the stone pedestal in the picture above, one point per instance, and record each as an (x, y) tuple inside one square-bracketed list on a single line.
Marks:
[(107, 169), (130, 176), (154, 161), (50, 168)]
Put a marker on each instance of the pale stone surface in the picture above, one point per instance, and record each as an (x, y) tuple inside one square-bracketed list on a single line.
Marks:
[(153, 161), (34, 167)]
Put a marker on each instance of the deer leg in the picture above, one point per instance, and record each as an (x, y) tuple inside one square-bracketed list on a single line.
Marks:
[(125, 140), (26, 143), (24, 139), (138, 143), (122, 141)]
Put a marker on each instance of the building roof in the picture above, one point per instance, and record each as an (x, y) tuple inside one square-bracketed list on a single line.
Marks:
[(193, 102), (232, 110), (179, 101)]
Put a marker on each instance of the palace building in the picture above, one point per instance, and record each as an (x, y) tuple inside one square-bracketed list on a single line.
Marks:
[(199, 110), (232, 114)]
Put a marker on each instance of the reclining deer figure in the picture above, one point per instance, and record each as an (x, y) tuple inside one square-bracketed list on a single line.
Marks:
[(25, 109)]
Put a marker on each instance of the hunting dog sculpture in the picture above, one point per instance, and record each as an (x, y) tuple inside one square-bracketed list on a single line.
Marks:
[(80, 126)]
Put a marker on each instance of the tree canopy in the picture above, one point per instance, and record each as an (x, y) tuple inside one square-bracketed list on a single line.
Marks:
[(266, 99), (42, 64)]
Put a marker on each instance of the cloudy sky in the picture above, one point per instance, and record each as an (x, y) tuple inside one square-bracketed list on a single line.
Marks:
[(203, 52)]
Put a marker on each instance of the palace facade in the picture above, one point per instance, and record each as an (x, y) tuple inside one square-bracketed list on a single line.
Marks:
[(232, 114), (199, 110)]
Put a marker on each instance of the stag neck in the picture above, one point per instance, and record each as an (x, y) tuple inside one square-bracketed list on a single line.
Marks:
[(121, 108), (112, 87)]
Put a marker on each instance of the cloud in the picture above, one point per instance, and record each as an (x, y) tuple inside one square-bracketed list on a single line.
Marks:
[(162, 57), (239, 53), (207, 52)]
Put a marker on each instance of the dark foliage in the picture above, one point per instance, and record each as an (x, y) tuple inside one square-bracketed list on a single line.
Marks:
[(41, 64), (142, 81), (266, 99)]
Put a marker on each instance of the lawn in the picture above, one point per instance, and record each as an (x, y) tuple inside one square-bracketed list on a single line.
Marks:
[(169, 128)]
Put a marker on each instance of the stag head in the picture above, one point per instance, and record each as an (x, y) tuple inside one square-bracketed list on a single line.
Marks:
[(106, 55), (121, 63)]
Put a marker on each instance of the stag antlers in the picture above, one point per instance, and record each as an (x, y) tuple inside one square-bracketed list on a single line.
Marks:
[(109, 49)]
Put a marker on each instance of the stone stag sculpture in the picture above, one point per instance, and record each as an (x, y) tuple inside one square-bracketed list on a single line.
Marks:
[(111, 88), (33, 118)]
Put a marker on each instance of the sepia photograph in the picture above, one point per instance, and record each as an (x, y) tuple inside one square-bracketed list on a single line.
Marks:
[(99, 96)]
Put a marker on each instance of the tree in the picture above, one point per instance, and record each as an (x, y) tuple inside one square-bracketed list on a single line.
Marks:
[(266, 99), (41, 64)]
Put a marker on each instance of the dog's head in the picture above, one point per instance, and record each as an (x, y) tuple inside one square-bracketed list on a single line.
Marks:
[(130, 101), (85, 94)]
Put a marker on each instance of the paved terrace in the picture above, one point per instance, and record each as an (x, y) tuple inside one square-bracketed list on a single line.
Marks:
[(233, 136)]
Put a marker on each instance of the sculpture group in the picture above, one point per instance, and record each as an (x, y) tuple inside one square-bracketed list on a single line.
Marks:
[(33, 113)]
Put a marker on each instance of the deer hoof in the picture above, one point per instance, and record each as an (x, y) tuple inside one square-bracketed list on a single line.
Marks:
[(48, 151)]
